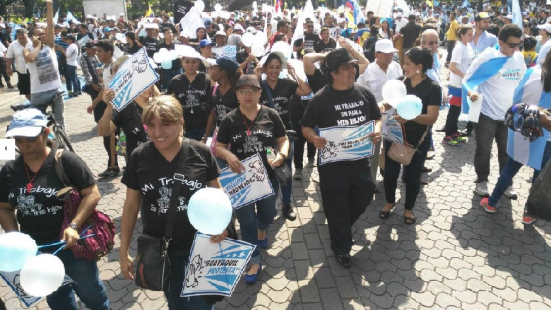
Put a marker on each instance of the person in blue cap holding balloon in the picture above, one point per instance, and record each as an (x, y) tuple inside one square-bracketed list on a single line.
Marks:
[(29, 185), (416, 131), (150, 176)]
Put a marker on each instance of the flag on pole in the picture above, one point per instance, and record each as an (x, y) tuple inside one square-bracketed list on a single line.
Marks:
[(356, 11), (70, 17), (149, 13), (56, 16), (278, 5), (465, 4), (517, 15)]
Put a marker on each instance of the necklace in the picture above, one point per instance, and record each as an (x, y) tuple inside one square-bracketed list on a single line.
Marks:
[(247, 125), (30, 184)]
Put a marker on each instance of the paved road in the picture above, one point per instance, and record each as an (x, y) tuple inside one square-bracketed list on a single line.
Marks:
[(455, 257)]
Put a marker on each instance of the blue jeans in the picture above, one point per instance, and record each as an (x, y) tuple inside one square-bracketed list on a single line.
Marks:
[(88, 286), (251, 220), (508, 173), (40, 100), (195, 133), (178, 263), (73, 84), (169, 75)]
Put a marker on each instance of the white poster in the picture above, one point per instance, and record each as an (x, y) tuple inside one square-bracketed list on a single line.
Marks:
[(133, 77), (215, 268), (381, 8), (392, 130), (346, 143), (474, 109), (12, 280), (229, 51), (248, 187)]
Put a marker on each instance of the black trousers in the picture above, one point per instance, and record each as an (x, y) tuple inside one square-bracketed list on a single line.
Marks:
[(450, 45), (299, 144), (110, 142), (3, 70), (412, 174), (346, 191), (452, 119)]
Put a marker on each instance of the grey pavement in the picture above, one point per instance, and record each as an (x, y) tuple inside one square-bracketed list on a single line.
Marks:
[(455, 257)]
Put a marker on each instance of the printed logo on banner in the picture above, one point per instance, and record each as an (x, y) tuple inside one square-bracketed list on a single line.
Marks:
[(392, 130), (133, 77), (346, 143), (12, 279), (248, 187), (215, 269)]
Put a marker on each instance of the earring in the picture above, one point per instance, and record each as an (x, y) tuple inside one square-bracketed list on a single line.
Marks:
[(417, 71)]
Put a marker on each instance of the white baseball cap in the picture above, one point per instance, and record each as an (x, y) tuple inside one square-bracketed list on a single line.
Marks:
[(251, 30), (385, 46), (546, 27), (238, 27)]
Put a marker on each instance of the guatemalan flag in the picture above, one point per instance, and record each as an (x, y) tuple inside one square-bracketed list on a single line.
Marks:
[(530, 91)]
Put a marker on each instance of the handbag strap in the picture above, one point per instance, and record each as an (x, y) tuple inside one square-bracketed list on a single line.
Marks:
[(420, 141), (269, 94), (59, 170), (174, 201)]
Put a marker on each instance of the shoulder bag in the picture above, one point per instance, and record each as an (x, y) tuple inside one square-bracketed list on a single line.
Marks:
[(152, 262), (98, 224), (402, 153)]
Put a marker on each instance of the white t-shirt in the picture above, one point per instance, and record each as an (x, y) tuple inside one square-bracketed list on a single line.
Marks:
[(15, 51), (3, 49), (72, 54), (498, 91), (107, 77), (44, 71), (463, 56), (375, 78)]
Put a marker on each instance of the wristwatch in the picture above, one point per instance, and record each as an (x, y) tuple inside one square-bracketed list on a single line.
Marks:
[(73, 226)]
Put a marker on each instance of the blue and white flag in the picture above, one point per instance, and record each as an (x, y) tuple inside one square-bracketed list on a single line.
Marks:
[(346, 143), (248, 187), (70, 17), (134, 76), (530, 91), (517, 14), (56, 16), (465, 4), (483, 68), (215, 268)]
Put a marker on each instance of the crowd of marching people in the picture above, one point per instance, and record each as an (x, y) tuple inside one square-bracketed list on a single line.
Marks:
[(251, 81)]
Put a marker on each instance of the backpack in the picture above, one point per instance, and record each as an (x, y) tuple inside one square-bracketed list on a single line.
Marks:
[(369, 48), (98, 224)]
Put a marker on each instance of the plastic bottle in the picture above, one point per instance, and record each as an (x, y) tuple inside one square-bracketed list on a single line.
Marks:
[(270, 155)]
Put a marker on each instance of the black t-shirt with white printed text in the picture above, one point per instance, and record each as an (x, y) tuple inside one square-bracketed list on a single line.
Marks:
[(285, 89), (130, 121), (194, 98), (223, 104)]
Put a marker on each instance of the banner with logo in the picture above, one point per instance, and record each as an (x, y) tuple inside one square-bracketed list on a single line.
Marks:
[(346, 143), (181, 8), (229, 51), (248, 187), (392, 130), (215, 268), (12, 279), (133, 77)]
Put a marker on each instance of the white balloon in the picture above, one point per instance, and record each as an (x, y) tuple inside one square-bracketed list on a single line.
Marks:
[(248, 39), (161, 55), (209, 210), (218, 7), (282, 47), (42, 275), (200, 5), (393, 91), (261, 38), (257, 50)]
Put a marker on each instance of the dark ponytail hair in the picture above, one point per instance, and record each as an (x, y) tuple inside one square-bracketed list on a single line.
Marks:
[(422, 56), (132, 36), (546, 73)]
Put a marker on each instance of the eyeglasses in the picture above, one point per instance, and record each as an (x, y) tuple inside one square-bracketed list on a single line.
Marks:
[(431, 43), (514, 45), (248, 91), (310, 26)]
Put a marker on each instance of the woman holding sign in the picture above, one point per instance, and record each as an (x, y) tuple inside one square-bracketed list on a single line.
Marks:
[(150, 176), (416, 132), (253, 129)]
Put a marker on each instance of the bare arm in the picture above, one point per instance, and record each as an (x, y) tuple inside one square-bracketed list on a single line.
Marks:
[(7, 217), (233, 162), (429, 118), (88, 203), (309, 60), (545, 121), (130, 211), (50, 38), (9, 65), (303, 89), (31, 56), (455, 70), (311, 136), (211, 122)]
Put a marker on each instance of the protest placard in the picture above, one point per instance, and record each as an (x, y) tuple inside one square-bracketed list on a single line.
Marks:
[(382, 8), (392, 130), (248, 187), (229, 51), (215, 268), (133, 77), (12, 279), (346, 143)]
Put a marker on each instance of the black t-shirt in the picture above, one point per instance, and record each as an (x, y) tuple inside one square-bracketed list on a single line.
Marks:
[(285, 89), (150, 45), (265, 129), (430, 93), (193, 97), (318, 80), (410, 32), (131, 49), (176, 63), (321, 46), (150, 173), (40, 213), (130, 120), (352, 107), (223, 104), (310, 40)]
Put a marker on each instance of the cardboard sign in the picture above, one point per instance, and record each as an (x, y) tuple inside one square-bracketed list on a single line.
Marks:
[(248, 187), (392, 130), (134, 76), (12, 280), (215, 268), (381, 8), (346, 143), (229, 51)]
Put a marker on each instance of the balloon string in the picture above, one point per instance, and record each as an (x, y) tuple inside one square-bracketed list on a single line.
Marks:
[(63, 242)]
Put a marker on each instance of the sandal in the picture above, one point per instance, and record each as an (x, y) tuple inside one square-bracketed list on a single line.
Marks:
[(385, 214), (409, 220)]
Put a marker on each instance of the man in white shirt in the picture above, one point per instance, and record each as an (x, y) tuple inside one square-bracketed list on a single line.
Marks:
[(15, 55), (498, 92), (399, 22), (380, 71), (42, 63), (3, 67)]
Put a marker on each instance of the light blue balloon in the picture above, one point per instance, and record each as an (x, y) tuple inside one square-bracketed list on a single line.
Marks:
[(409, 108), (15, 250), (166, 64), (209, 211)]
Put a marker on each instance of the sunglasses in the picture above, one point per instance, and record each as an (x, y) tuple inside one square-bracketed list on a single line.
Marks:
[(433, 42), (248, 91), (514, 45)]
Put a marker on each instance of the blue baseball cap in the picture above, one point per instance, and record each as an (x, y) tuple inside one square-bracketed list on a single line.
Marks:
[(27, 123), (206, 42), (207, 21), (227, 64)]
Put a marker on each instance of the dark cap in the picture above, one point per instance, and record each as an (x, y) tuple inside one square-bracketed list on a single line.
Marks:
[(206, 42), (90, 44), (57, 26), (227, 64), (338, 57), (248, 79)]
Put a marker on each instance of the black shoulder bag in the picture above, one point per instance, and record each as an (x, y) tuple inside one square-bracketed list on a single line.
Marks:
[(152, 263)]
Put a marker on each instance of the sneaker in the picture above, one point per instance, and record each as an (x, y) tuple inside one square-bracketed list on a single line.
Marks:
[(450, 140), (110, 172), (10, 86), (311, 161), (345, 260), (482, 189), (485, 203), (288, 212), (511, 193), (465, 133), (527, 219), (459, 138), (298, 174)]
